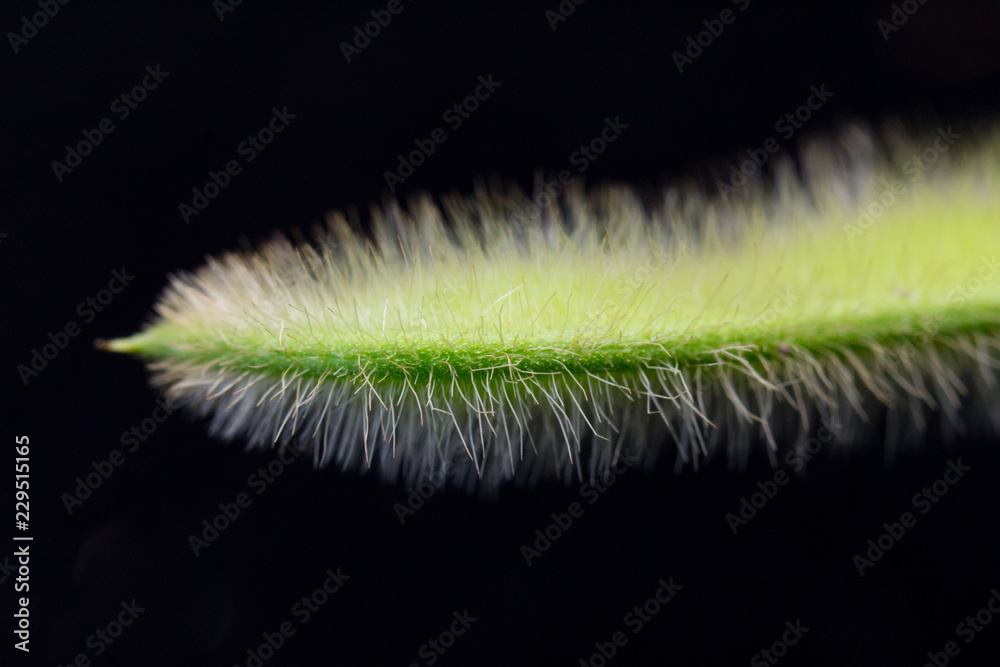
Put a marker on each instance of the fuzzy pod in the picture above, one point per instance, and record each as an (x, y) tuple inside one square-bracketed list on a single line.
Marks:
[(491, 338)]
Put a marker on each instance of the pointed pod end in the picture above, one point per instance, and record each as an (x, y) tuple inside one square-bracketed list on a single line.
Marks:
[(127, 345)]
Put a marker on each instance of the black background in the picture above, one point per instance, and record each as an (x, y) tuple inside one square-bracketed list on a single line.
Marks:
[(119, 208)]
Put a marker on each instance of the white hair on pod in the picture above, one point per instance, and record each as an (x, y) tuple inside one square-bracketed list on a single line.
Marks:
[(495, 341)]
